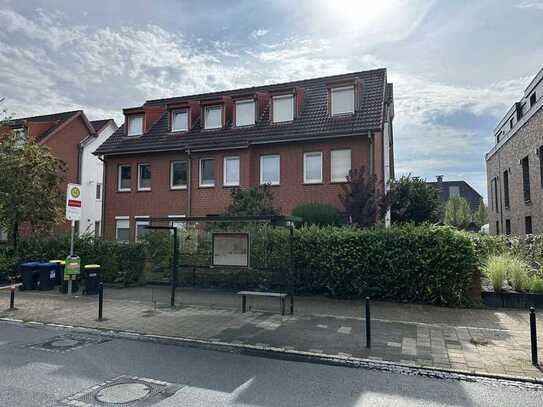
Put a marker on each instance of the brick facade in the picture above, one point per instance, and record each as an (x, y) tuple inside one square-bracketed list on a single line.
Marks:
[(524, 143), (161, 201)]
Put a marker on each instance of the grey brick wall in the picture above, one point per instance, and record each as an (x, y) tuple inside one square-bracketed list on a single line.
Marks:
[(525, 142)]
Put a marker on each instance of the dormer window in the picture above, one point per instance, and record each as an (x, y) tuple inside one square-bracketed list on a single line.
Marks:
[(135, 125), (342, 100), (245, 113), (533, 99), (283, 108), (213, 117), (180, 120)]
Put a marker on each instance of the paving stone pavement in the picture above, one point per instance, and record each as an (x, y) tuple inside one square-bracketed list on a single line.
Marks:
[(485, 341)]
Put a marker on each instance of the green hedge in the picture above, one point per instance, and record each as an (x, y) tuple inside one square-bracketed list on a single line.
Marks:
[(121, 263), (427, 264)]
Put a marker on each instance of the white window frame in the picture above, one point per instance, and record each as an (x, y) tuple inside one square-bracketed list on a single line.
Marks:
[(129, 133), (200, 173), (245, 102), (312, 181), (262, 157), (121, 218), (140, 188), (176, 219), (3, 235), (177, 187), (140, 221), (119, 169), (231, 184), (213, 107), (344, 179), (172, 118), (339, 89), (279, 97)]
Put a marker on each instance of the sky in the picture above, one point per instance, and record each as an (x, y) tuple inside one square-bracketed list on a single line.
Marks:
[(457, 66)]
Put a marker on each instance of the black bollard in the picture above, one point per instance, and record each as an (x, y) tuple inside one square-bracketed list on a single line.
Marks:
[(368, 323), (100, 300), (12, 296), (533, 336)]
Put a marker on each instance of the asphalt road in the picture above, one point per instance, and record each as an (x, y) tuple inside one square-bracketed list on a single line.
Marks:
[(36, 377)]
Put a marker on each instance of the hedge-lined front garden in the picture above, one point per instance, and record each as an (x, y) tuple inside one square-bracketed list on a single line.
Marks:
[(122, 264), (425, 264)]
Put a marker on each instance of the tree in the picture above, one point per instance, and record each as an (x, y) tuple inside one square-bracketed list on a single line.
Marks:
[(457, 212), (29, 192), (364, 202), (413, 200), (480, 217), (255, 201)]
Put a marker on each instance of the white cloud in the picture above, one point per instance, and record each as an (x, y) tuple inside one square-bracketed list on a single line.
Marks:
[(259, 33), (535, 4)]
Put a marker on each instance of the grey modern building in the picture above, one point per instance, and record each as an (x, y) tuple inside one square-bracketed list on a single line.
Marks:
[(461, 188), (514, 166)]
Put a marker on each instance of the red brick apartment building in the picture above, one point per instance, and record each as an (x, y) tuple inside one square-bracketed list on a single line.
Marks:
[(181, 156), (66, 134)]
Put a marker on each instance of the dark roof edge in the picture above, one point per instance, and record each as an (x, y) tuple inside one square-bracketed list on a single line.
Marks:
[(218, 148)]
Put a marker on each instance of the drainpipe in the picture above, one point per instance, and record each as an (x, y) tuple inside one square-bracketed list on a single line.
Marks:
[(103, 209), (79, 163), (370, 138), (189, 183)]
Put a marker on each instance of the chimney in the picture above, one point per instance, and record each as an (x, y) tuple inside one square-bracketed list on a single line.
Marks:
[(439, 178)]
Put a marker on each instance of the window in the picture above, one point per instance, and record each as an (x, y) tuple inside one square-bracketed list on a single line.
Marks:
[(3, 235), (283, 108), (528, 225), (532, 99), (245, 113), (454, 190), (20, 137), (312, 168), (97, 229), (507, 226), (496, 202), (342, 100), (125, 178), (231, 171), (207, 172), (180, 120), (526, 179), (511, 124), (497, 227), (135, 125), (341, 165), (270, 169), (213, 117), (122, 229), (141, 227), (506, 189), (144, 177), (98, 191), (178, 175), (177, 221)]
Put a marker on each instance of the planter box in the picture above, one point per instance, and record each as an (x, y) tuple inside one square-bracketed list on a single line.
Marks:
[(512, 300)]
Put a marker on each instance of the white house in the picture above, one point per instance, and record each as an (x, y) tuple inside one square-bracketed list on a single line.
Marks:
[(92, 170)]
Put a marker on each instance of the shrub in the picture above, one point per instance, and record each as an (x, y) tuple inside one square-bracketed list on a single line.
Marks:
[(321, 214), (496, 271), (536, 285), (121, 263), (517, 274)]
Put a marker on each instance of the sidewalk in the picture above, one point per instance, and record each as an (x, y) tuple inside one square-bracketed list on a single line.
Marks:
[(486, 341)]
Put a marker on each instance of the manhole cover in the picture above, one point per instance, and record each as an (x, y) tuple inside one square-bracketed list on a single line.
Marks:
[(123, 393), (66, 343)]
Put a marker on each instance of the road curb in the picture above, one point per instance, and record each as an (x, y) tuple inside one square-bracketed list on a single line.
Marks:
[(288, 354)]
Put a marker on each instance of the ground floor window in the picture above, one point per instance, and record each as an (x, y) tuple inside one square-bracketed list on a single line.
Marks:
[(3, 235), (528, 225), (141, 228), (122, 229), (97, 229)]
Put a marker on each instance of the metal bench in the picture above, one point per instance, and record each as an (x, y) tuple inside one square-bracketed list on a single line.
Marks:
[(281, 296)]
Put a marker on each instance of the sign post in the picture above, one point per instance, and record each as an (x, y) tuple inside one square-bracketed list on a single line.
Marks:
[(73, 213)]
